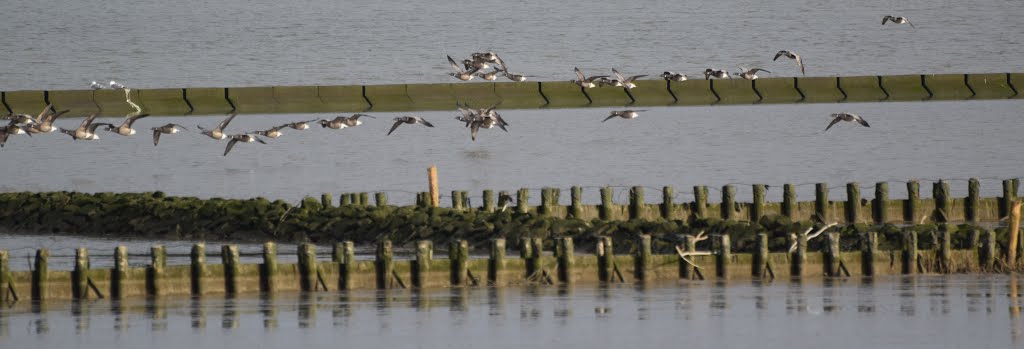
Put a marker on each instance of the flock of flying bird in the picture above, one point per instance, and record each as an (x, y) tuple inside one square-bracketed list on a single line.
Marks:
[(473, 118)]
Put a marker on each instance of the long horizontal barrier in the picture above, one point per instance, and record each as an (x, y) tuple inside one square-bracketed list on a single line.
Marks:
[(520, 95)]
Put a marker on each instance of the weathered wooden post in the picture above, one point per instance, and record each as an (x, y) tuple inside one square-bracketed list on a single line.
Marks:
[(307, 267), (458, 255), (760, 258), (268, 275), (435, 198), (945, 250), (364, 199), (728, 208), (987, 250), (913, 201), (229, 257), (523, 200), (831, 255), (867, 253), (789, 201), (496, 262), (157, 266), (566, 259), (41, 275), (1014, 233), (852, 202), (456, 200), (700, 201), (549, 199), (1009, 195), (531, 258), (909, 260), (880, 207), (384, 264), (605, 259), (686, 270), (488, 197), (346, 200), (636, 202), (940, 194), (605, 212), (380, 199), (973, 200), (798, 256), (821, 206), (326, 200), (723, 257), (6, 289), (642, 260), (576, 202), (757, 209), (345, 254), (120, 277), (198, 268), (667, 194), (420, 267), (504, 199), (79, 276)]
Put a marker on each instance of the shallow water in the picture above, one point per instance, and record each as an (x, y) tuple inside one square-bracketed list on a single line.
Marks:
[(958, 311)]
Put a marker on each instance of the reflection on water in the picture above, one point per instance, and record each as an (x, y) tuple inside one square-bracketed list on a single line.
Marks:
[(734, 314)]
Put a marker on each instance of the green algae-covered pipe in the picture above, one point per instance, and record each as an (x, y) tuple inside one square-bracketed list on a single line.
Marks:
[(380, 198), (523, 201), (488, 205)]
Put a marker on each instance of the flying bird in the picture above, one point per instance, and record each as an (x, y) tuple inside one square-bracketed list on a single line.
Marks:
[(584, 81), (86, 130), (624, 81), (217, 132), (165, 129), (670, 76), (408, 120), (625, 114), (341, 122), (793, 56), (460, 73), (300, 125), (719, 74), (897, 20), (46, 119), (126, 127), (836, 118), (750, 74), (245, 137), (12, 128)]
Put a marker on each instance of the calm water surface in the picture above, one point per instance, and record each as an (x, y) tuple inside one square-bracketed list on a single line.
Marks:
[(980, 311)]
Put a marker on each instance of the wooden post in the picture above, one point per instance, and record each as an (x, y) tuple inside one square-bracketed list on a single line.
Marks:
[(852, 203), (576, 202), (530, 251), (458, 255), (760, 258), (435, 199), (789, 201), (565, 256), (909, 265), (606, 203), (345, 200), (799, 256), (974, 240), (913, 200), (307, 267), (1014, 233), (488, 200), (40, 275), (867, 254), (380, 199), (757, 209), (456, 200), (79, 276), (6, 283), (667, 194), (157, 266), (728, 207), (723, 257), (198, 268), (347, 253), (420, 267), (821, 211), (700, 201), (120, 277), (686, 270), (326, 200), (973, 200), (496, 262), (503, 199), (940, 194), (268, 277), (636, 202), (642, 260), (229, 257), (549, 200), (605, 259), (1009, 195), (987, 250), (945, 250), (880, 207), (384, 264), (364, 199), (522, 201), (831, 255)]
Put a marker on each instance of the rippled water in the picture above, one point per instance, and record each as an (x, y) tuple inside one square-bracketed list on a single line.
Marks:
[(50, 44), (906, 312)]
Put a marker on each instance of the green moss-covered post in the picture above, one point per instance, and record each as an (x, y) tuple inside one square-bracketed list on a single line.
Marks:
[(880, 207), (728, 208), (667, 194), (41, 275), (456, 200), (700, 201), (576, 202), (909, 257), (1009, 195), (5, 279), (642, 261), (523, 201), (940, 194), (496, 262), (421, 265), (913, 201), (723, 257), (973, 200), (229, 256), (80, 275), (346, 199), (488, 197), (458, 255), (120, 277), (364, 199), (384, 264), (686, 270), (326, 200), (798, 256), (307, 267), (198, 268), (789, 201), (548, 201), (987, 250), (760, 258), (636, 202), (821, 202), (566, 259), (852, 202), (945, 250), (157, 267), (347, 260), (268, 272), (757, 209), (380, 199), (605, 212), (465, 200), (831, 255), (504, 199), (868, 246), (605, 259), (530, 257)]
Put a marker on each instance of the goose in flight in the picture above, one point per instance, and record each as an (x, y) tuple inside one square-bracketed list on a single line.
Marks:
[(793, 56), (126, 127), (625, 114), (624, 81), (341, 122), (86, 130), (218, 132), (836, 118), (460, 73), (165, 129), (245, 137), (897, 20), (750, 74), (408, 120), (584, 81)]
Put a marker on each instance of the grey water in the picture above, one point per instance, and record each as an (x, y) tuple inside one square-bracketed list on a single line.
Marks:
[(960, 311)]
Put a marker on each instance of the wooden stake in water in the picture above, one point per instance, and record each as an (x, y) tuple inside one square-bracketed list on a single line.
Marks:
[(605, 260), (909, 265), (987, 250), (198, 268), (913, 201), (421, 265), (1014, 232), (728, 208), (268, 282), (867, 254), (881, 203), (642, 260), (496, 262), (307, 267), (522, 201), (636, 202), (348, 261), (760, 260), (435, 199), (667, 206), (798, 255), (384, 264), (576, 202), (831, 254), (789, 201), (80, 275), (757, 209), (41, 275), (700, 201), (852, 202), (606, 203), (723, 257), (157, 265), (120, 277), (458, 256), (229, 257), (821, 206), (973, 200), (566, 259)]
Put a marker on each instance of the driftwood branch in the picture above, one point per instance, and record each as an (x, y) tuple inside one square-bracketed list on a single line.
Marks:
[(792, 247), (683, 255)]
